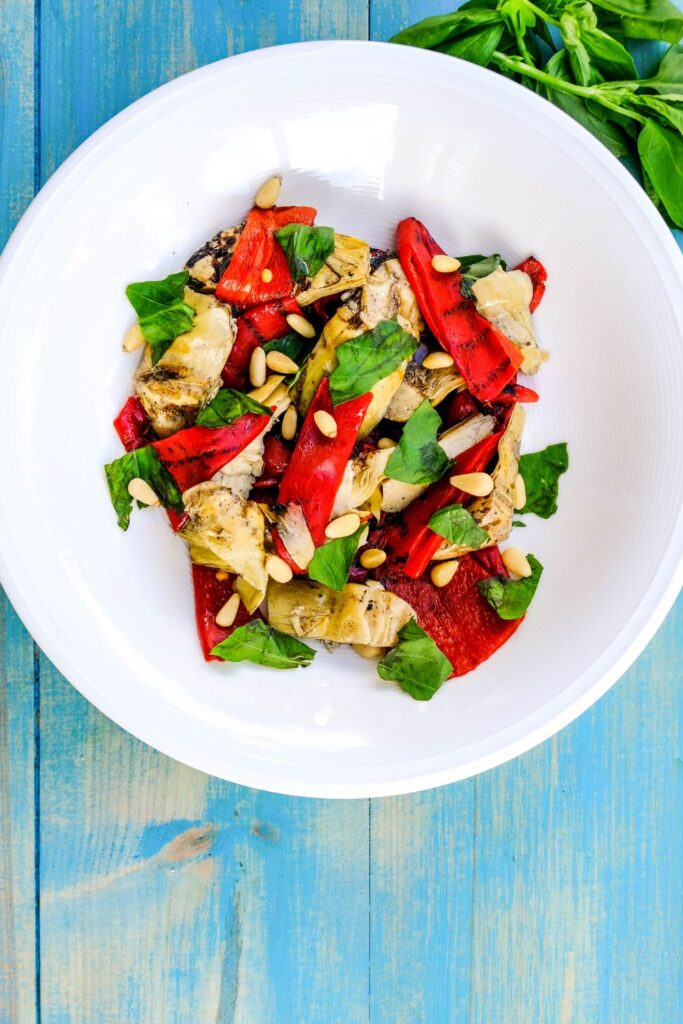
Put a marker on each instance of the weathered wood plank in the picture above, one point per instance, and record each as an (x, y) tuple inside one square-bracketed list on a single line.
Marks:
[(182, 898)]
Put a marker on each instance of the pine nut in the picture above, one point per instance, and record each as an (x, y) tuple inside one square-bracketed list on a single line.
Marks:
[(228, 612), (520, 492), (281, 363), (133, 338), (515, 561), (343, 526), (366, 651), (278, 569), (267, 389), (437, 361), (478, 484), (289, 421), (302, 326), (266, 197), (325, 423), (443, 573), (141, 491), (257, 367), (373, 557), (222, 576), (266, 275), (386, 442), (445, 264)]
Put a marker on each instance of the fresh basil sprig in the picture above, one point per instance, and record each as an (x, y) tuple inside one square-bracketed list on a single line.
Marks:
[(143, 463), (306, 248), (162, 313), (367, 359), (458, 526), (418, 459), (541, 472), (228, 406), (331, 563), (258, 642), (573, 53), (416, 663), (511, 598), (473, 268)]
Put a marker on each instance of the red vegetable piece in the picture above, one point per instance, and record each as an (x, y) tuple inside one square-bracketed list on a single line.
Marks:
[(538, 274), (457, 617), (461, 406), (318, 462), (257, 250), (254, 328), (276, 456), (411, 542), (192, 456), (210, 594), (485, 357), (133, 426)]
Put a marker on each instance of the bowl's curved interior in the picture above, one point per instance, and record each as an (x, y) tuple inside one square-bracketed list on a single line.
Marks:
[(488, 167)]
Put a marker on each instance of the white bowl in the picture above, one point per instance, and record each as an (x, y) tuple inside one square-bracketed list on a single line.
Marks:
[(368, 133)]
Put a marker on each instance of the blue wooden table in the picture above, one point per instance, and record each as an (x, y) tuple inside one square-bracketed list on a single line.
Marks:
[(133, 889)]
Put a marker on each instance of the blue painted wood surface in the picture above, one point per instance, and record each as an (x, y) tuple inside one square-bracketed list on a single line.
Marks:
[(133, 889)]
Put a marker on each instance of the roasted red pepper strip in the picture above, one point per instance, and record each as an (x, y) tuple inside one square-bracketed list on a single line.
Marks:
[(210, 594), (256, 326), (538, 274), (192, 456), (485, 357), (411, 542), (461, 406), (276, 458), (258, 250), (458, 619), (133, 426), (318, 462)]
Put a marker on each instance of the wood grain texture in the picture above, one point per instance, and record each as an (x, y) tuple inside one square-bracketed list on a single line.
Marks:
[(547, 891)]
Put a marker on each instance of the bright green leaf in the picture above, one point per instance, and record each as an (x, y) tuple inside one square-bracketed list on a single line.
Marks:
[(258, 642), (228, 406), (331, 563), (306, 248), (416, 663), (541, 472), (458, 526), (511, 598), (143, 463), (418, 459), (369, 358)]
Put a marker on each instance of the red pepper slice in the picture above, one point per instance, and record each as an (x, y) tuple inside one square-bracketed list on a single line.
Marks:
[(458, 619), (485, 357), (318, 462), (257, 250), (461, 406), (210, 594), (538, 274), (192, 456), (411, 542), (133, 426), (276, 458), (256, 326)]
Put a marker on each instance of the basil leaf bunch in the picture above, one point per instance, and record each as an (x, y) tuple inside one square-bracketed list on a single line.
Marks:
[(145, 464), (258, 642), (162, 313), (418, 459), (306, 248), (367, 359), (511, 598), (228, 406), (541, 472), (416, 663), (573, 53), (331, 563)]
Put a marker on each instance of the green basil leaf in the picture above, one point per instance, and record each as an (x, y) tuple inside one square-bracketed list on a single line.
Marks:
[(541, 472), (518, 522), (306, 248), (430, 32), (418, 459), (511, 598), (162, 314), (293, 345), (228, 406), (472, 268), (595, 120), (258, 642), (416, 663), (667, 113), (331, 563), (647, 19), (367, 359), (661, 151), (143, 463), (458, 526), (579, 58), (148, 297), (669, 76), (477, 46)]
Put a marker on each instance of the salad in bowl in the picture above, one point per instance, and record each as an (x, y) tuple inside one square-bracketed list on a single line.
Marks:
[(335, 432)]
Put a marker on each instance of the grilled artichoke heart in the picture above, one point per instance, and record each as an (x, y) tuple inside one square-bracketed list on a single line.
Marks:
[(207, 265), (420, 383), (188, 375), (355, 615), (347, 267), (503, 297), (227, 532)]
